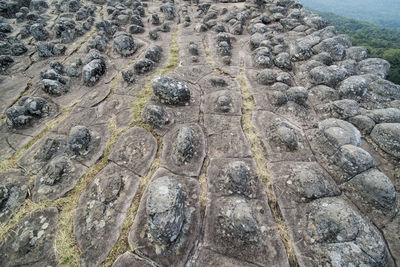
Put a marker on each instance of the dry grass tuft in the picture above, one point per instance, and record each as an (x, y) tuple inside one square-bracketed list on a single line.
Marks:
[(259, 155)]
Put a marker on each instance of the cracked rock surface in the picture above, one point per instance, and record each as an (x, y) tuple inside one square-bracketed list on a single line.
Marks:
[(186, 133)]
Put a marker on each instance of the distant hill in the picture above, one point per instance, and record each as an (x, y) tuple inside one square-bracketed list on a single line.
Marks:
[(380, 41), (381, 12)]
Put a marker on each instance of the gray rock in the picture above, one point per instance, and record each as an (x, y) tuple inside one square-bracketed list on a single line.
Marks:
[(283, 61), (387, 136), (224, 102), (165, 209), (170, 91), (143, 66), (39, 32), (13, 192), (50, 49), (92, 71), (54, 87), (376, 66), (136, 29), (27, 109), (185, 146), (256, 39), (17, 117), (288, 136), (262, 57), (363, 123), (80, 140), (385, 89), (323, 57), (31, 241), (353, 160), (344, 109), (351, 66), (153, 34), (38, 5), (334, 133), (238, 174), (155, 20), (330, 76), (387, 115), (258, 27), (5, 62), (124, 44), (266, 77), (325, 93), (374, 188), (311, 184), (335, 46), (356, 53), (66, 29), (300, 50), (156, 116), (354, 87), (193, 49), (50, 148), (278, 98), (137, 20), (154, 53), (238, 222), (343, 236), (223, 48), (129, 259), (168, 11), (298, 95)]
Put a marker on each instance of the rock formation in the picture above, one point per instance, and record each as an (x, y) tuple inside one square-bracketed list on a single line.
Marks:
[(187, 133)]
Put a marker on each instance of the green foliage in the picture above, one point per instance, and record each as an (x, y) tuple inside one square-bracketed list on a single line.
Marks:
[(380, 41), (381, 12)]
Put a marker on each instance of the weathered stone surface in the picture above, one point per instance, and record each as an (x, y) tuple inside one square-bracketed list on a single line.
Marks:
[(342, 236), (233, 177), (27, 110), (92, 71), (374, 188), (354, 87), (31, 241), (129, 259), (357, 53), (353, 160), (387, 136), (344, 109), (82, 141), (208, 257), (170, 91), (165, 209), (156, 116), (57, 177), (226, 137), (253, 97), (184, 150), (101, 211), (330, 76), (375, 66), (223, 102), (141, 234), (135, 150), (282, 139), (13, 191), (363, 123), (388, 115), (238, 228), (335, 133)]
